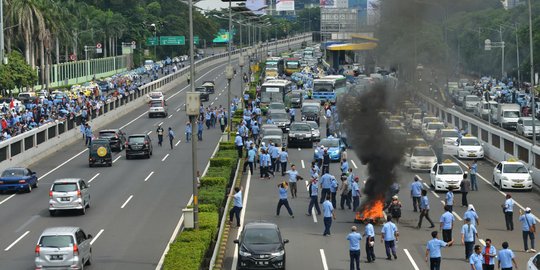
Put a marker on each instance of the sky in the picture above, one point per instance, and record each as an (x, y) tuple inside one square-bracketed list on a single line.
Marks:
[(214, 4)]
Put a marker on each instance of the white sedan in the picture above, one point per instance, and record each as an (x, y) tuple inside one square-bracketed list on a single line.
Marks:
[(534, 262), (512, 174), (470, 147)]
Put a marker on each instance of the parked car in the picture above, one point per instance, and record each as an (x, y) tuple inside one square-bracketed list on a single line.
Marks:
[(69, 194), (334, 146), (300, 133), (470, 147), (139, 145), (116, 137), (422, 158), (316, 133), (204, 96), (261, 246), (18, 179), (63, 248), (524, 127), (445, 175), (512, 174)]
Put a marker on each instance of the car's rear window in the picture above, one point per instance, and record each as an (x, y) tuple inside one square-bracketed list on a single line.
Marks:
[(107, 134), (156, 103), (64, 187), (12, 172), (261, 237), (56, 241), (136, 139)]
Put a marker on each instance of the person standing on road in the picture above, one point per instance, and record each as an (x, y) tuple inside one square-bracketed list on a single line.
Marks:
[(293, 178), (328, 215), (239, 143), (489, 253), (354, 248), (473, 170), (189, 131), (200, 129), (355, 193), (344, 165), (159, 132), (476, 259), (528, 228), (262, 163), (326, 162), (222, 118), (468, 236), (283, 159), (274, 154), (314, 196), (449, 200), (472, 215), (369, 234), (314, 170), (171, 137), (424, 210), (506, 258), (344, 188), (508, 209), (433, 251), (255, 132), (394, 208), (333, 190), (326, 183), (237, 206), (416, 192), (292, 113), (250, 159), (465, 187), (446, 224), (390, 236), (88, 134), (282, 189)]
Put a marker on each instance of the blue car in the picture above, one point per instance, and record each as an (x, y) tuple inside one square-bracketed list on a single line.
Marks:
[(18, 179), (335, 147)]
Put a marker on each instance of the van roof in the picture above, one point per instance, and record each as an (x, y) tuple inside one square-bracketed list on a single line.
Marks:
[(60, 230)]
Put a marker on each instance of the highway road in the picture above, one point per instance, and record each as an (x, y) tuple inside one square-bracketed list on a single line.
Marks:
[(136, 204), (309, 249)]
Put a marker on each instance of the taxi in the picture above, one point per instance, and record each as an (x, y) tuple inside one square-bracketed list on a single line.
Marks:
[(416, 121), (449, 138), (430, 130), (445, 175), (422, 158), (470, 147), (512, 174)]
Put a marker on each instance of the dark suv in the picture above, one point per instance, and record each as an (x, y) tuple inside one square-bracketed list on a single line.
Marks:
[(300, 133), (116, 138), (261, 247), (205, 96), (138, 145)]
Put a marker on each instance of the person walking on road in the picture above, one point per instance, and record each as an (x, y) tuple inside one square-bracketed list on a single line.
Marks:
[(283, 159), (354, 248), (333, 190), (200, 129), (344, 188), (449, 199), (355, 188), (188, 131), (159, 132), (171, 137), (328, 215), (473, 170), (293, 179), (237, 206), (250, 159), (390, 236), (87, 134), (424, 210), (433, 251), (468, 236), (369, 234), (528, 228), (282, 189), (506, 258), (326, 162), (416, 193), (314, 196), (472, 215), (465, 187), (447, 224), (488, 253), (508, 209), (239, 143), (326, 183), (476, 259)]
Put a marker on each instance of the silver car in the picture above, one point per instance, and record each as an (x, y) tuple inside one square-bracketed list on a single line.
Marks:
[(63, 248), (69, 194)]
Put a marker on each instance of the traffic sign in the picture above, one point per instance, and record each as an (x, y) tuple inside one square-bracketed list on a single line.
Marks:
[(172, 40), (196, 40), (73, 57), (152, 41), (98, 45)]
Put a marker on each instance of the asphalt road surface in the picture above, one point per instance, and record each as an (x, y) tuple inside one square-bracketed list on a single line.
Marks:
[(309, 249)]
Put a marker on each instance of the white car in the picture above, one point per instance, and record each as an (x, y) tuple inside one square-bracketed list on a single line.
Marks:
[(428, 119), (431, 128), (449, 140), (422, 158), (470, 147), (512, 174), (524, 127), (445, 175), (534, 262), (157, 107), (470, 102), (416, 121)]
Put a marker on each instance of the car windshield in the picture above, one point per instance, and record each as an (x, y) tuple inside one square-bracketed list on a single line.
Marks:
[(56, 241), (107, 134), (276, 106), (514, 168), (310, 109), (329, 142), (279, 116), (138, 139), (470, 142), (273, 132), (156, 104), (266, 140), (423, 152), (156, 94), (511, 114), (64, 187), (449, 134), (435, 126), (13, 172), (271, 65), (473, 98), (296, 95), (529, 122), (430, 119), (313, 125), (450, 169), (261, 236), (322, 87), (300, 127)]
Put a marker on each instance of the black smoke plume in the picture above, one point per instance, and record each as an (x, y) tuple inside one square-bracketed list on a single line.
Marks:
[(371, 139)]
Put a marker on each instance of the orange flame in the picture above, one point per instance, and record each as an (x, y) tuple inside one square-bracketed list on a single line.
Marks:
[(373, 211)]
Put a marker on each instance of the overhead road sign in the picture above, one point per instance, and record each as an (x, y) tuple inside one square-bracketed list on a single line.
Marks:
[(172, 40)]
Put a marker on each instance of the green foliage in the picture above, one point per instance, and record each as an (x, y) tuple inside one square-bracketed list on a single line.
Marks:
[(207, 208), (212, 195), (16, 73), (218, 171), (226, 146), (213, 181), (221, 162), (230, 153)]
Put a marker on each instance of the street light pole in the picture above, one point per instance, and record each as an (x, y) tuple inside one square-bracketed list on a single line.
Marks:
[(193, 120), (229, 73), (533, 94)]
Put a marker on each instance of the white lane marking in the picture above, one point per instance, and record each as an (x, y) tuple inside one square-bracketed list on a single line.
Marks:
[(354, 164), (62, 164), (96, 237), (482, 242), (303, 165), (149, 175), (17, 241), (164, 158), (119, 156), (126, 202), (177, 143), (215, 98), (220, 94), (429, 188), (149, 132), (135, 119), (494, 187), (324, 116), (160, 123), (6, 199), (242, 215), (323, 259), (299, 149), (178, 109), (170, 116), (212, 103), (411, 259), (92, 179)]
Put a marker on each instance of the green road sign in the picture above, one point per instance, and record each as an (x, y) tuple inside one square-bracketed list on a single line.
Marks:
[(196, 40), (172, 40), (151, 41)]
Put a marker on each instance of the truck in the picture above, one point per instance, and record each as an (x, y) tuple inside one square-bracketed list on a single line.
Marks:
[(508, 115)]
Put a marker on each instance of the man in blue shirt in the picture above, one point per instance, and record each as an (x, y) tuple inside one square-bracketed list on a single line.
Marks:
[(506, 258), (282, 189), (528, 228), (328, 215), (283, 158), (355, 193), (473, 170), (369, 234), (262, 165), (255, 132), (424, 210), (188, 131), (344, 166), (237, 206), (326, 183), (390, 235), (200, 130), (292, 112), (468, 234), (354, 248), (508, 208), (274, 154), (171, 137), (239, 143), (314, 195), (489, 254), (449, 200), (88, 134), (446, 224), (293, 178), (250, 159), (476, 259), (416, 193), (433, 251), (472, 215), (333, 190)]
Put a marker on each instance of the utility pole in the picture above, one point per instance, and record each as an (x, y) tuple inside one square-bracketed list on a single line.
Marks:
[(193, 119)]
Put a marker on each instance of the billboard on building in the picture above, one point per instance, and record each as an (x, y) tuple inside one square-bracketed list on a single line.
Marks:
[(285, 5), (327, 3), (257, 6)]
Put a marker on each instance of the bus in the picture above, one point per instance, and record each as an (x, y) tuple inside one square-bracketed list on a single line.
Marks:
[(274, 91), (275, 67), (328, 87), (292, 65)]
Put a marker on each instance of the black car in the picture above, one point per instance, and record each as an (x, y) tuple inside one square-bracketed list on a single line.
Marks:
[(296, 99), (138, 145), (310, 112), (261, 247), (300, 134), (116, 137), (205, 96)]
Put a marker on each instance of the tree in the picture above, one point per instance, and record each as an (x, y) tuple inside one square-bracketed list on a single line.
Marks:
[(16, 73)]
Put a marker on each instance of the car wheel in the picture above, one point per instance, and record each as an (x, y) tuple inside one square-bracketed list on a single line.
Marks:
[(29, 188), (89, 261), (128, 157), (83, 211), (493, 181), (52, 213), (90, 165), (36, 184), (109, 164), (500, 185)]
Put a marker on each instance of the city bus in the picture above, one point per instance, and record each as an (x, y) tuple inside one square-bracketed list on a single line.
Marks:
[(292, 65), (274, 91), (275, 67), (328, 87)]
